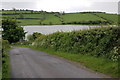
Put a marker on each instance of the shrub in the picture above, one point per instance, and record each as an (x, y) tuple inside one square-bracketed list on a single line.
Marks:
[(11, 31), (5, 59), (97, 42)]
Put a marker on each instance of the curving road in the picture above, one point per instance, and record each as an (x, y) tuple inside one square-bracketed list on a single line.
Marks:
[(28, 63)]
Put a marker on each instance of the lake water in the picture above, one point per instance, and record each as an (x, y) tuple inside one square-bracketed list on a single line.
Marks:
[(48, 29)]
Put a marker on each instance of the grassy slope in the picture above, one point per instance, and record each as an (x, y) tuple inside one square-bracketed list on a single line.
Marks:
[(51, 19), (97, 43), (71, 17), (5, 60), (111, 17), (25, 16), (28, 22)]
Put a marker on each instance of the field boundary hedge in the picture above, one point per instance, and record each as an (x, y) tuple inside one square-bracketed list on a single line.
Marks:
[(98, 42)]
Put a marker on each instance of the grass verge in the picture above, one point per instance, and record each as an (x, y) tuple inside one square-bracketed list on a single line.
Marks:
[(97, 64), (5, 59), (5, 65)]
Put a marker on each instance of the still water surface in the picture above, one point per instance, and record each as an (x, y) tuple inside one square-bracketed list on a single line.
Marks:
[(48, 29)]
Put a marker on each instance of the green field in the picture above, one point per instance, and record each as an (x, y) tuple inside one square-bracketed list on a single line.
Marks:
[(25, 16), (70, 17), (56, 18), (11, 11), (111, 17)]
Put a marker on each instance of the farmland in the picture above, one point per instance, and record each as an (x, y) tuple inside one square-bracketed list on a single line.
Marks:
[(55, 18), (111, 17), (97, 48)]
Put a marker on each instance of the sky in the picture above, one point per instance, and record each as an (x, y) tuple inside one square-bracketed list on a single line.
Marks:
[(109, 6)]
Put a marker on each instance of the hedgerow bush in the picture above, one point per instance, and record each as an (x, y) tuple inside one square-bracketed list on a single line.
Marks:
[(98, 42), (98, 22), (5, 59)]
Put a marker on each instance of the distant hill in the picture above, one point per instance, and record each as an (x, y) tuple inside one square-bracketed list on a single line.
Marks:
[(30, 17)]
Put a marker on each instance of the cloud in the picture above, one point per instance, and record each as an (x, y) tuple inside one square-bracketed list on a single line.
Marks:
[(58, 0), (63, 5), (60, 5)]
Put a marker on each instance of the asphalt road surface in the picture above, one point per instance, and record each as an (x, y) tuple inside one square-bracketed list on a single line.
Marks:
[(28, 63)]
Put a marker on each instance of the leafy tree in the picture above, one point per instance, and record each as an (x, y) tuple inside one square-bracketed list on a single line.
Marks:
[(32, 11), (14, 10), (2, 9), (36, 35), (11, 31)]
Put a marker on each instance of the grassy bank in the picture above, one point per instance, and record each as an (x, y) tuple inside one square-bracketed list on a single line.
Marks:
[(5, 59), (100, 64), (98, 43)]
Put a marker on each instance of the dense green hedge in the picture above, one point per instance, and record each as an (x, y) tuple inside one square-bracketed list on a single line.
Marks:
[(5, 59), (5, 44), (104, 41), (89, 22)]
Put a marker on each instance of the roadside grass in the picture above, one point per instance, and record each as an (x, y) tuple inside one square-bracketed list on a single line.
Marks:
[(100, 64), (0, 67), (6, 66), (5, 59)]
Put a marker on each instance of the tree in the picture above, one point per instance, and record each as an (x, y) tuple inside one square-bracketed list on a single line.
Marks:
[(11, 31), (14, 10), (32, 37), (32, 12), (36, 35), (2, 9)]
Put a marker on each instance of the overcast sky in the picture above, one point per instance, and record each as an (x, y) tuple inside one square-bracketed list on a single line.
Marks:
[(110, 6)]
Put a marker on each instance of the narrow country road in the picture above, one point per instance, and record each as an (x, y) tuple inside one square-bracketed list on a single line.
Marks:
[(28, 63)]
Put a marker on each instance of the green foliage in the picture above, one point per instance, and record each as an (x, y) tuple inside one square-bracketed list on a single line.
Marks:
[(5, 59), (21, 16), (30, 38), (110, 17), (55, 18), (36, 35), (96, 42), (11, 31), (80, 17), (97, 22), (5, 45), (33, 36)]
